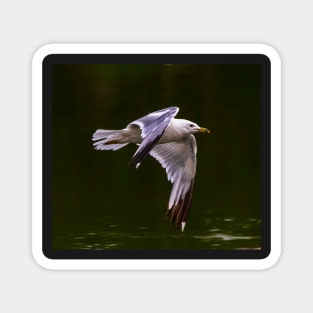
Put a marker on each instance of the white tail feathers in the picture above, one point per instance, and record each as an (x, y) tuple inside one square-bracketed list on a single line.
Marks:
[(104, 133), (107, 140)]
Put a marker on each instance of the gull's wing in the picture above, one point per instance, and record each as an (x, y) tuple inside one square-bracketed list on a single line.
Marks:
[(152, 128), (179, 160)]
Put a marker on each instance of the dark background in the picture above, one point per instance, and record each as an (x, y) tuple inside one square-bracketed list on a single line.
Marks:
[(99, 202)]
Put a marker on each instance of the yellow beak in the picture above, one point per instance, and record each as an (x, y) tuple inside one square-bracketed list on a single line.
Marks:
[(204, 130)]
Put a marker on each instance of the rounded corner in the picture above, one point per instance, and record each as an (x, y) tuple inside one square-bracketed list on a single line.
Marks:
[(42, 53), (270, 53), (270, 260), (42, 260)]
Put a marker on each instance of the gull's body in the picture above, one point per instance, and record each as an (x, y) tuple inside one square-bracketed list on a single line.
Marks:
[(170, 141)]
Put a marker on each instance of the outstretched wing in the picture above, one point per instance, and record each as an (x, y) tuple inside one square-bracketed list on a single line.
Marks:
[(179, 160), (152, 128)]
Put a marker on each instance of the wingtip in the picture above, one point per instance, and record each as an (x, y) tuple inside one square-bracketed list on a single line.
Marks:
[(180, 226), (134, 165)]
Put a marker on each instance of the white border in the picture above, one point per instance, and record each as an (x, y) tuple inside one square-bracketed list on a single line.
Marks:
[(149, 49)]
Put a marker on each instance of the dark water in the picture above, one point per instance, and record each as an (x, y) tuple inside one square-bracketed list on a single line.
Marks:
[(98, 202), (230, 233)]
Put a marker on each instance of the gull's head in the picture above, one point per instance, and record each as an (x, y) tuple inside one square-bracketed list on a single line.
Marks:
[(192, 128)]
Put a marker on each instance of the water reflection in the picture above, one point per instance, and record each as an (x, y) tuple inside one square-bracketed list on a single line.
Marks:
[(228, 235)]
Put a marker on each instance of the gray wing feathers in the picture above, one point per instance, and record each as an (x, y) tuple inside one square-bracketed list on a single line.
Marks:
[(155, 120), (179, 161), (152, 128)]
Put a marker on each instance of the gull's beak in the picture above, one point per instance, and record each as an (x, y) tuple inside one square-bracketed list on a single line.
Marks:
[(204, 130)]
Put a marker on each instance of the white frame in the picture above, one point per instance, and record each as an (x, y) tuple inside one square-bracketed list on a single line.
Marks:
[(154, 264)]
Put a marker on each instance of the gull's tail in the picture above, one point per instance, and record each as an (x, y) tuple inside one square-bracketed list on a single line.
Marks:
[(107, 140)]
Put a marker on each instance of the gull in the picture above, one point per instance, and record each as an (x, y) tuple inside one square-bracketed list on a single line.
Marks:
[(172, 143)]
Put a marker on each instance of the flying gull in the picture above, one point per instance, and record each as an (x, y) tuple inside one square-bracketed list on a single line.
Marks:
[(171, 142)]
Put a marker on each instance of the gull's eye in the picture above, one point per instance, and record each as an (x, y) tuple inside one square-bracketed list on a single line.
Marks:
[(191, 125)]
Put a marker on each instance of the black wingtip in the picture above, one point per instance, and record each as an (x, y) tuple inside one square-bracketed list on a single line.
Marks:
[(179, 212), (134, 162)]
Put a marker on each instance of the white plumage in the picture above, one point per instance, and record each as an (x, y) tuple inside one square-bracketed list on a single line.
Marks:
[(168, 140)]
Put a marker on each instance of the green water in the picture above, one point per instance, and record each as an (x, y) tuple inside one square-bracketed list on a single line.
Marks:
[(98, 202), (222, 233)]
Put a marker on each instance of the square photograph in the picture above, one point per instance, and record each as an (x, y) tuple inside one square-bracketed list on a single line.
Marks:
[(156, 156)]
